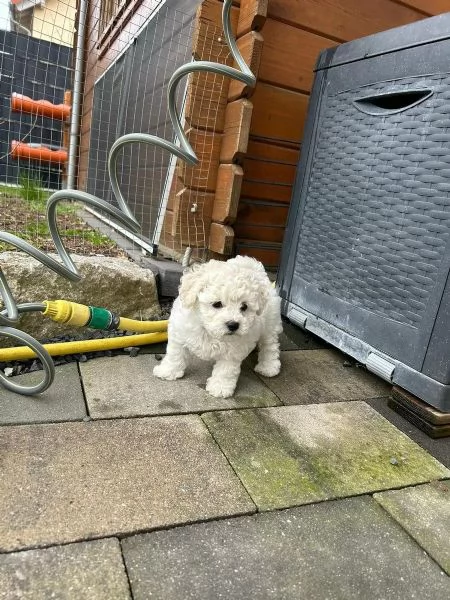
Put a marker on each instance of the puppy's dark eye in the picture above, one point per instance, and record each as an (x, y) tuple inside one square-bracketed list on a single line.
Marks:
[(218, 304), (244, 307)]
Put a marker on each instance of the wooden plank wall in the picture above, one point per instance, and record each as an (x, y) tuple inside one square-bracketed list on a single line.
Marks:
[(238, 116), (295, 32), (191, 199), (202, 203)]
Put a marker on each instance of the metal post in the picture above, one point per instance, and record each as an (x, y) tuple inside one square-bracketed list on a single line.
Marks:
[(77, 93)]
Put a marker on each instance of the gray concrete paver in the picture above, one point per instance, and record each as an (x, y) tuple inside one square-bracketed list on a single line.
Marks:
[(320, 376), (424, 512), (73, 481), (63, 401), (122, 387), (344, 550), (89, 570)]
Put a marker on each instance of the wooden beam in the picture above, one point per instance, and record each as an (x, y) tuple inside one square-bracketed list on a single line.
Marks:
[(252, 16), (429, 7), (208, 39), (344, 21), (259, 233), (206, 101), (268, 254), (202, 176), (221, 238), (278, 114), (273, 192), (270, 172), (251, 47), (166, 233), (192, 217), (228, 191), (238, 118), (263, 151), (216, 256), (289, 56), (252, 212)]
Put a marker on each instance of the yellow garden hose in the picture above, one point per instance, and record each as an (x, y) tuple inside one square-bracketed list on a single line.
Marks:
[(71, 313), (63, 348)]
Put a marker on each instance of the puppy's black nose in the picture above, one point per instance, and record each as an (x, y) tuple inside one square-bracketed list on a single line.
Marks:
[(232, 325)]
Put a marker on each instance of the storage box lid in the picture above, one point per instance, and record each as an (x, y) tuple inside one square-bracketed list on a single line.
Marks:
[(419, 33)]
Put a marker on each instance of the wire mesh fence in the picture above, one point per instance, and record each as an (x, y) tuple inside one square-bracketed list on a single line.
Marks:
[(130, 51)]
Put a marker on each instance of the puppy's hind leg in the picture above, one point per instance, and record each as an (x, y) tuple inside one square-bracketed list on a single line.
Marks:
[(268, 355), (173, 364)]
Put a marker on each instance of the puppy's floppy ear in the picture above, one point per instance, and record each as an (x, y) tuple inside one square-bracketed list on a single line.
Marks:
[(262, 297), (193, 282), (191, 285)]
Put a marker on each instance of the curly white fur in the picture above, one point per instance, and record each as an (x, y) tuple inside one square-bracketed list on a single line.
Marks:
[(224, 310)]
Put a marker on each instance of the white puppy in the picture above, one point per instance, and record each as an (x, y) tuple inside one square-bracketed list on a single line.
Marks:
[(224, 310)]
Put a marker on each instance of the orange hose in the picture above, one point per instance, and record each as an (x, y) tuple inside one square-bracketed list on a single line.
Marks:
[(22, 103), (22, 150)]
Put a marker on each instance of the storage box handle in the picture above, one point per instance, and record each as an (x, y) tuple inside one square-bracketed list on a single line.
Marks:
[(389, 103)]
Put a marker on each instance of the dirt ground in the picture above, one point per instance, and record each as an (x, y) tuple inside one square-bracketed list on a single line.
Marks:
[(27, 220)]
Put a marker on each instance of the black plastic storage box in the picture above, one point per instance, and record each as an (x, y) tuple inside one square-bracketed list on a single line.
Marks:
[(366, 255)]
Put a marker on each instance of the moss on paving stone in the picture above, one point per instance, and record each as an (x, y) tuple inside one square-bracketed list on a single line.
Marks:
[(296, 455)]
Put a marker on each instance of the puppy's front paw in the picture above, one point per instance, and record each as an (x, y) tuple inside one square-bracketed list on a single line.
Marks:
[(220, 389), (168, 372), (268, 369)]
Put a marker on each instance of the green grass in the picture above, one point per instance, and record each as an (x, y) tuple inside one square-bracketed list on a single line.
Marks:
[(30, 189), (36, 198), (89, 235), (7, 191)]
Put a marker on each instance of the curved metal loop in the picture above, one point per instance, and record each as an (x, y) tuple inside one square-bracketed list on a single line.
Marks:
[(9, 316), (43, 355), (184, 150), (69, 270)]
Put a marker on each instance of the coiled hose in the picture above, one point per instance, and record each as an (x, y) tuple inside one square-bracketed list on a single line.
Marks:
[(10, 315)]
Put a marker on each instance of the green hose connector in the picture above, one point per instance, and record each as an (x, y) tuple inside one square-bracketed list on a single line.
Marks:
[(95, 317), (102, 318), (79, 315)]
